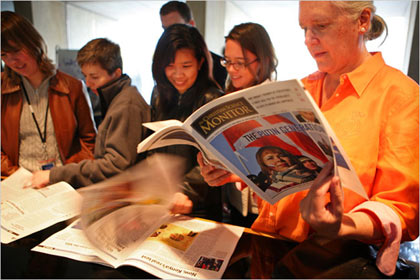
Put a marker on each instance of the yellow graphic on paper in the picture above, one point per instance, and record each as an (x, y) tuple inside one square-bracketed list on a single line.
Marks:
[(174, 236)]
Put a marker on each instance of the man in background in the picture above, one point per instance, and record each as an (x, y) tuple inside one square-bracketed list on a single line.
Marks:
[(179, 12)]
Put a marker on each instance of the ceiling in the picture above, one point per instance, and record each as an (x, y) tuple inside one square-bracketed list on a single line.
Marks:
[(119, 9), (116, 9)]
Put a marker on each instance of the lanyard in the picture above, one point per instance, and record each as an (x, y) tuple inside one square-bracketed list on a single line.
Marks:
[(43, 137)]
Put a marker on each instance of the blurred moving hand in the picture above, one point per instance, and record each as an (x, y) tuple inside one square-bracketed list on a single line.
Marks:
[(181, 204)]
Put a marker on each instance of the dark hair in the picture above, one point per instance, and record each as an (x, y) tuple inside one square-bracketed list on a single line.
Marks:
[(254, 38), (179, 7), (103, 52), (18, 33), (174, 38), (259, 156)]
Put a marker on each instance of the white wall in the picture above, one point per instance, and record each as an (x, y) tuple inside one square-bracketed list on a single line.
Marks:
[(215, 26), (136, 33), (49, 19), (84, 25)]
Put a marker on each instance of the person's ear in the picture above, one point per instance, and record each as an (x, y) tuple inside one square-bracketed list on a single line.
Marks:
[(364, 20), (200, 63), (192, 22), (117, 73)]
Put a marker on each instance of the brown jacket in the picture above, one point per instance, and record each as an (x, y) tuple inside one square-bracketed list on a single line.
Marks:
[(70, 112)]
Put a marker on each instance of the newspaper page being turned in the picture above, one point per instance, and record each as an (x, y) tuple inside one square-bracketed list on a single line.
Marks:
[(272, 135), (126, 220), (120, 213), (27, 210)]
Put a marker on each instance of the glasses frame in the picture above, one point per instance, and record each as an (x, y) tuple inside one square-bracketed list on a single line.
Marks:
[(236, 65)]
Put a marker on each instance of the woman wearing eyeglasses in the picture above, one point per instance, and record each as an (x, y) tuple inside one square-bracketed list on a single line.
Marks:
[(250, 60), (249, 57)]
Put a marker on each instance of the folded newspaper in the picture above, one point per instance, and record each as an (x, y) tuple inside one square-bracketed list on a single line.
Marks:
[(272, 135), (126, 221)]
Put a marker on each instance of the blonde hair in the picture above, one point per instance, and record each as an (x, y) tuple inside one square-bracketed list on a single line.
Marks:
[(354, 9)]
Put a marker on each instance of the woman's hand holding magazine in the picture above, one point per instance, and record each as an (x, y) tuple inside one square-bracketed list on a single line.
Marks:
[(213, 175)]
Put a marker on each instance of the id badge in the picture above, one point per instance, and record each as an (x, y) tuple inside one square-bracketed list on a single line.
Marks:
[(47, 164)]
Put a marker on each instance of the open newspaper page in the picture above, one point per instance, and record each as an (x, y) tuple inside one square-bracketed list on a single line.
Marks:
[(181, 247), (184, 247), (272, 135), (27, 210), (125, 220)]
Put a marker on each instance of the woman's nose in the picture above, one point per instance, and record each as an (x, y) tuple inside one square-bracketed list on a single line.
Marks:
[(230, 68), (310, 38), (277, 159), (178, 72), (89, 83)]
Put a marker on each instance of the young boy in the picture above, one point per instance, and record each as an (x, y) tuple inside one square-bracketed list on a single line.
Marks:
[(123, 109)]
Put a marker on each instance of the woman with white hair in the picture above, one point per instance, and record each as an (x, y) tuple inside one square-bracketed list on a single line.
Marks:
[(374, 110)]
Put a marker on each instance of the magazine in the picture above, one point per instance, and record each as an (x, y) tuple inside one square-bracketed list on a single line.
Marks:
[(272, 135), (126, 220), (26, 210)]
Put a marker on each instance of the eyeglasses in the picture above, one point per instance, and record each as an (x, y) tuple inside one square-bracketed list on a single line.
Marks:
[(236, 65)]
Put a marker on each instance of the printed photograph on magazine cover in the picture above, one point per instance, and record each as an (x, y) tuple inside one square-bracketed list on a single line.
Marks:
[(276, 152)]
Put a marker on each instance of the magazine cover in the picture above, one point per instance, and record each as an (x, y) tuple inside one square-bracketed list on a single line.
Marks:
[(278, 151)]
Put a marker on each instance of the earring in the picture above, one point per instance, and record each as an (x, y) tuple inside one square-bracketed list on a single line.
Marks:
[(363, 29)]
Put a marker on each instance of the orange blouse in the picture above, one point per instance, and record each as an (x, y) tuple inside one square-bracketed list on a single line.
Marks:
[(375, 115)]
